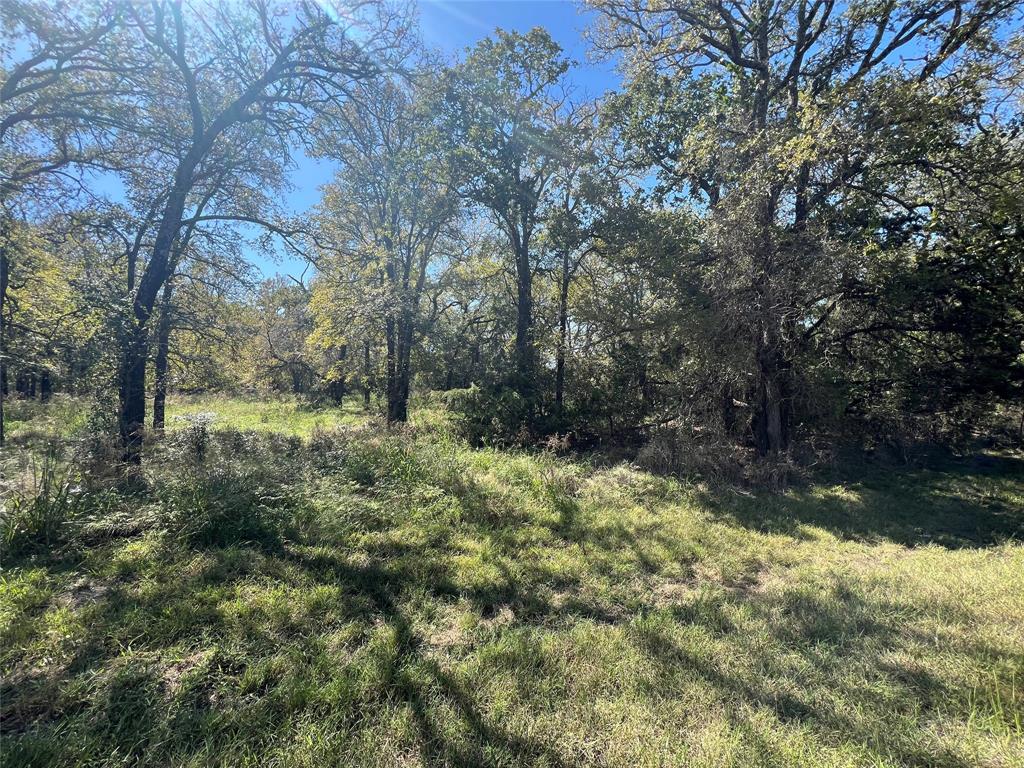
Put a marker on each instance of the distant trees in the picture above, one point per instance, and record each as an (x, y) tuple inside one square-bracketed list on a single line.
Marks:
[(503, 108), (47, 131), (206, 112)]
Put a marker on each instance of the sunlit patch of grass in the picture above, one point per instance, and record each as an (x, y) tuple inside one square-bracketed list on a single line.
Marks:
[(417, 602), (32, 424), (284, 415)]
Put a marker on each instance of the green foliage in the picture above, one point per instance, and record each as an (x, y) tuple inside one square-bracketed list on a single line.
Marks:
[(492, 416), (225, 507)]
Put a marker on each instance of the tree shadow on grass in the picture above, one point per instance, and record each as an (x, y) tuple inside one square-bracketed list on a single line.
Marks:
[(116, 694), (827, 634), (964, 504), (380, 584)]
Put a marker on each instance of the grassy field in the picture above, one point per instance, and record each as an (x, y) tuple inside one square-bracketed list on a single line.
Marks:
[(314, 590)]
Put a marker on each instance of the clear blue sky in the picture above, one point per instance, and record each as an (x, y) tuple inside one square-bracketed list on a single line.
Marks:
[(452, 26)]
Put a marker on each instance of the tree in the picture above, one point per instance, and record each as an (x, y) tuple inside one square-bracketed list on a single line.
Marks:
[(391, 215), (52, 124), (786, 121), (502, 107), (588, 212)]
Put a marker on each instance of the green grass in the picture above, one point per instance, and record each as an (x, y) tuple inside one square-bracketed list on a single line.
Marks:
[(31, 421), (284, 415), (385, 599)]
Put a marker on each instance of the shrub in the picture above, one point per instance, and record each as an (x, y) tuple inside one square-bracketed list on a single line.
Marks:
[(221, 508), (685, 452), (497, 416), (194, 434), (386, 460)]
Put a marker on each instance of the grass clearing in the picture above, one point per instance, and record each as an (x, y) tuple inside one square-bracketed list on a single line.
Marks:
[(363, 597), (284, 415)]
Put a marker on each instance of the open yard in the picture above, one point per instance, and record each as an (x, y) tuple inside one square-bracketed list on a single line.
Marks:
[(363, 597)]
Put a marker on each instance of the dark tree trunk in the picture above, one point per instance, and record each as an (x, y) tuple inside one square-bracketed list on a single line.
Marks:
[(336, 391), (132, 393), (338, 387), (771, 419), (400, 333), (390, 365), (134, 351), (398, 405), (4, 281), (298, 380), (163, 347), (524, 323), (563, 333), (3, 392), (643, 384), (366, 374), (45, 386)]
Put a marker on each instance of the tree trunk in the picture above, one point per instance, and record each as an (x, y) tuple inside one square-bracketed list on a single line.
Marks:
[(772, 411), (523, 382), (390, 365), (3, 391), (563, 333), (4, 281), (770, 421), (398, 396), (135, 347), (366, 374), (524, 321), (132, 393), (45, 385), (338, 387), (298, 380), (163, 346)]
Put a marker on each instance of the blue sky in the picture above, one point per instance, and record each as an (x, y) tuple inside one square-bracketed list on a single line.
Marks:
[(452, 26)]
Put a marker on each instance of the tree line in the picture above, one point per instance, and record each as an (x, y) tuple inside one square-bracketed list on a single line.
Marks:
[(795, 218)]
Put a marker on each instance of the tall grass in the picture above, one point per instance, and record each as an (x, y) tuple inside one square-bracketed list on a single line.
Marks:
[(38, 502)]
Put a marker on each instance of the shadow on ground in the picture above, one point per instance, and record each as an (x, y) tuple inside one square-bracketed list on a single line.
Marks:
[(944, 505), (334, 651)]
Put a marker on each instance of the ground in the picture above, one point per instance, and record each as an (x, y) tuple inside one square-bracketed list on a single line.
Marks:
[(313, 590)]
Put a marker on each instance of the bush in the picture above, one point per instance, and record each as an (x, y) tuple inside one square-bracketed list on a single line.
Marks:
[(686, 452), (497, 417), (222, 508), (193, 436)]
